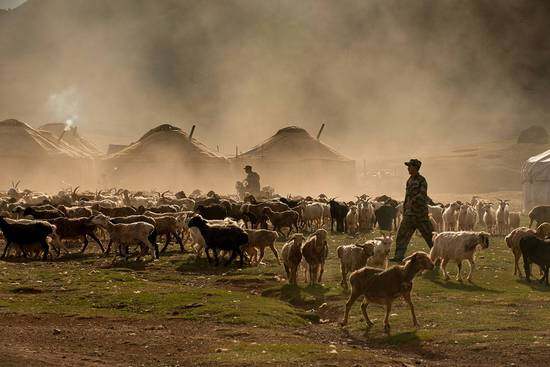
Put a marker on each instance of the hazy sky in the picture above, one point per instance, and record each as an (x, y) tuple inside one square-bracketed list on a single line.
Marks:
[(8, 4)]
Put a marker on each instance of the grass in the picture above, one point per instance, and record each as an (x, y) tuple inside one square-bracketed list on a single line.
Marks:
[(497, 308)]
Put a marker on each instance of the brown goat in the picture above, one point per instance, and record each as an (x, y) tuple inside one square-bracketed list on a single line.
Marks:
[(292, 256), (315, 252), (280, 220), (385, 286)]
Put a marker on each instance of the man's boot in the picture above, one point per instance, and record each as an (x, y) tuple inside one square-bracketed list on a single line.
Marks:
[(399, 255)]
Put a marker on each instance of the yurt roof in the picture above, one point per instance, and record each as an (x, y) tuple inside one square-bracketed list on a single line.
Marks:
[(166, 142), (20, 140), (295, 144), (537, 168), (72, 138)]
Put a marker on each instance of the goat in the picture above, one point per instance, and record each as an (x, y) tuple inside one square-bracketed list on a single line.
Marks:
[(458, 246), (27, 233), (385, 286), (75, 212), (43, 214), (352, 220), (353, 257), (228, 237), (124, 211), (489, 218), (213, 211), (315, 252), (381, 251), (126, 234), (292, 256), (539, 214), (514, 220), (450, 217), (75, 228), (512, 241), (280, 220), (535, 250), (502, 217), (338, 212), (260, 239)]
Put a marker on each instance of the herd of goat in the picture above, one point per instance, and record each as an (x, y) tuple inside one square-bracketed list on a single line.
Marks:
[(39, 225)]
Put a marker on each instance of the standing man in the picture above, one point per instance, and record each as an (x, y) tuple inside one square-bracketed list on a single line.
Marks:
[(252, 181), (415, 211)]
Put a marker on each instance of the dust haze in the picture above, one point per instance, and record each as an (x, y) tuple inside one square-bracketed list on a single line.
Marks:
[(389, 78)]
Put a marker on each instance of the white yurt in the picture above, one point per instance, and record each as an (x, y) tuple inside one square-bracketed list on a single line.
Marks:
[(535, 176)]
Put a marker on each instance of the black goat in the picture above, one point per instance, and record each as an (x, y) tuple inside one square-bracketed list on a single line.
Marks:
[(43, 213), (338, 212), (535, 250), (386, 216), (214, 211), (27, 233), (221, 237)]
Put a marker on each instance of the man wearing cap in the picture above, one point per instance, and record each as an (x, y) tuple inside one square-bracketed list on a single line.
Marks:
[(252, 181), (415, 211)]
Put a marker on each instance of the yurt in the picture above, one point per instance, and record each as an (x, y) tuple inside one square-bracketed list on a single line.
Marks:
[(535, 175), (69, 135), (293, 161), (166, 158), (38, 160)]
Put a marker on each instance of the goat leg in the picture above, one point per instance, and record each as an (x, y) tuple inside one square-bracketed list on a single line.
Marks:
[(387, 318), (407, 298), (96, 240), (364, 305), (351, 300)]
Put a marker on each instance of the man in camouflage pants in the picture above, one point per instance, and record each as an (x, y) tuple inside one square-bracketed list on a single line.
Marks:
[(415, 211)]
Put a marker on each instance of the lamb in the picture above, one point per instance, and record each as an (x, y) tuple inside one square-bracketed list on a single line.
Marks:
[(458, 246), (385, 286), (315, 252), (75, 228), (279, 220), (502, 217), (450, 217), (260, 239), (25, 233), (535, 250), (352, 220), (353, 257), (539, 214), (228, 238), (292, 256), (126, 234), (381, 251), (512, 241)]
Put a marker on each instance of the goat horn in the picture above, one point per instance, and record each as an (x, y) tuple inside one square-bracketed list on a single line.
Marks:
[(164, 193)]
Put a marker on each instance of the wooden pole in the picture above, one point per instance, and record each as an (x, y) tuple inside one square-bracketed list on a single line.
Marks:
[(320, 131), (192, 132)]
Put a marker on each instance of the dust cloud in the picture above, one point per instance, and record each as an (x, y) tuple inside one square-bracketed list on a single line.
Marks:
[(389, 78)]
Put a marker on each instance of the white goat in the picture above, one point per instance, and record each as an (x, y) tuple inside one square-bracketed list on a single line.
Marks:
[(503, 217), (450, 217), (489, 218), (381, 251), (353, 257), (457, 246), (352, 220)]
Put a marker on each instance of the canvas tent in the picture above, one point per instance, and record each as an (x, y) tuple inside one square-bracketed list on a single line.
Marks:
[(165, 158), (536, 181), (38, 160), (70, 136), (292, 161)]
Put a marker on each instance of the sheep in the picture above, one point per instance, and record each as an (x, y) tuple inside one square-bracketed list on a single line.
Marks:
[(515, 220), (125, 234), (228, 237), (279, 220), (352, 220), (260, 239), (535, 250), (489, 218), (512, 241), (458, 246), (353, 257), (502, 217), (26, 233), (315, 252), (539, 214), (385, 286), (75, 212), (450, 217), (73, 228), (381, 251), (292, 256)]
